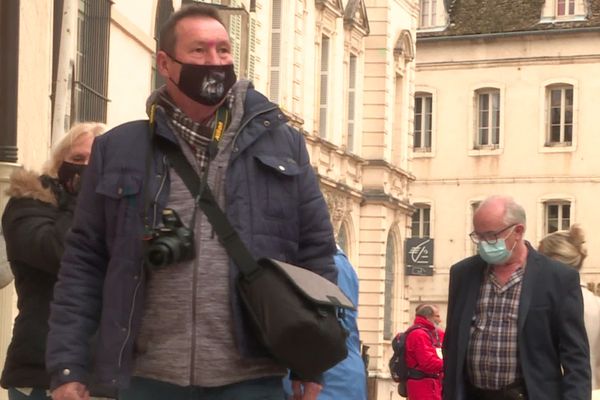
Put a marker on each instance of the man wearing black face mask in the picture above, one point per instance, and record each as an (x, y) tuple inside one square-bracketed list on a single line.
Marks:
[(180, 332)]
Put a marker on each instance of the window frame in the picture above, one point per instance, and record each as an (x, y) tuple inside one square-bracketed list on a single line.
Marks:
[(423, 221), (492, 130), (570, 8), (324, 69), (428, 19), (90, 73), (425, 135), (351, 101), (563, 110), (473, 148), (551, 12), (560, 204)]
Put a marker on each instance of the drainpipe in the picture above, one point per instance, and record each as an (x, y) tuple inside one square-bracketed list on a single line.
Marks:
[(64, 70), (9, 81)]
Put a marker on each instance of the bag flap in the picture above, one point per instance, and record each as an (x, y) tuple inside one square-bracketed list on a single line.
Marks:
[(317, 288)]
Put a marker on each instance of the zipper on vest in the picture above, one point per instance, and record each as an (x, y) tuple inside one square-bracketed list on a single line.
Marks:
[(130, 320), (160, 188), (141, 275), (194, 301)]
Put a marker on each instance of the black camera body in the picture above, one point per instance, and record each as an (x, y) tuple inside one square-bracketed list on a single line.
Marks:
[(170, 244)]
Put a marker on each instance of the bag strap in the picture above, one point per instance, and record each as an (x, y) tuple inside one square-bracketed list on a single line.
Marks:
[(204, 197)]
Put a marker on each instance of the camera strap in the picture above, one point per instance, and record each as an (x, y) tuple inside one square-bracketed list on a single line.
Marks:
[(221, 123), (228, 236)]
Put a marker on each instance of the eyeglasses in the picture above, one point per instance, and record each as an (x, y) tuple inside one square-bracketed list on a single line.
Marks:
[(489, 237)]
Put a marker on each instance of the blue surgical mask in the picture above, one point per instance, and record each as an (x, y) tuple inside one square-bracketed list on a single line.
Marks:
[(496, 253)]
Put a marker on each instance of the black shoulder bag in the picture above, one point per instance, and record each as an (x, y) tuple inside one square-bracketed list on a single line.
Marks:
[(294, 311)]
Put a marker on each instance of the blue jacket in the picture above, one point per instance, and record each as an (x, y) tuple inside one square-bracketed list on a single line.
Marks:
[(347, 380), (272, 200)]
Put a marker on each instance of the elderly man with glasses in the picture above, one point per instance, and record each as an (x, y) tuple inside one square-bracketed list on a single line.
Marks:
[(515, 318)]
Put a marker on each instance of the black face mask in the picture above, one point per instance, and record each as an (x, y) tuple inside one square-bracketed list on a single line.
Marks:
[(69, 176), (205, 84)]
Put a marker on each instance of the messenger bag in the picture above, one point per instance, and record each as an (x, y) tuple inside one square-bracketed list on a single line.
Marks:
[(295, 312)]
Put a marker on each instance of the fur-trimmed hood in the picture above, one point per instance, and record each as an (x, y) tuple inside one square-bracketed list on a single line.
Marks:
[(28, 184)]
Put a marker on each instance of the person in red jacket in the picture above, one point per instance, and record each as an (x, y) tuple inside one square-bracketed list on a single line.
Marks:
[(422, 358)]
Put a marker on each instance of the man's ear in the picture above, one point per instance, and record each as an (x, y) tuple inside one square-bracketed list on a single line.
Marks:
[(520, 229), (163, 64)]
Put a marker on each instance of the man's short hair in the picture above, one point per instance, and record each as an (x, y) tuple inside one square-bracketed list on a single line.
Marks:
[(168, 38), (514, 213), (425, 310)]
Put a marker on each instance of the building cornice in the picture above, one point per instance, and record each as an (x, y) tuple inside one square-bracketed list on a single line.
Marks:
[(390, 167), (500, 180), (479, 36), (542, 60), (376, 196)]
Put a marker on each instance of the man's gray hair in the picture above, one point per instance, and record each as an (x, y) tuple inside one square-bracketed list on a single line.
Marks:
[(425, 310), (514, 213)]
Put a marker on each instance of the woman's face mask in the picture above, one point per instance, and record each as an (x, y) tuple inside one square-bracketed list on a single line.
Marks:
[(205, 84), (69, 176)]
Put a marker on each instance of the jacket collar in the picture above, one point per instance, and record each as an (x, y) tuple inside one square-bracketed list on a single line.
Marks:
[(533, 265), (27, 184), (424, 322), (532, 269)]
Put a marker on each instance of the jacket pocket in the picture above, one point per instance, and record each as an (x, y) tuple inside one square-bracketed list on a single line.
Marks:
[(277, 189), (122, 203)]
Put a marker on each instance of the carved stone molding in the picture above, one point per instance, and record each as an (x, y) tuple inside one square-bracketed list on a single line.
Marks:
[(339, 205)]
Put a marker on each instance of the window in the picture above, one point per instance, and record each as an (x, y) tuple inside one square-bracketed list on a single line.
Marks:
[(565, 8), (488, 118), (390, 264), (421, 221), (351, 101), (342, 238), (558, 216), (423, 122), (90, 85), (560, 115), (428, 13), (275, 51), (323, 86)]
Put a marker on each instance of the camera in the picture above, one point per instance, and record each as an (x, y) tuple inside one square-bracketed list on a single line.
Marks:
[(171, 243)]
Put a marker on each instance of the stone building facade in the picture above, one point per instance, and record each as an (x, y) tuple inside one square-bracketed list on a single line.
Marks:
[(343, 70)]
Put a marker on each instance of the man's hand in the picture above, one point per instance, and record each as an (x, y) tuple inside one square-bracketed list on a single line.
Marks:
[(71, 391), (305, 390)]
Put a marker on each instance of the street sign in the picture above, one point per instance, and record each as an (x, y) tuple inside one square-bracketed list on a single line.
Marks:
[(418, 256)]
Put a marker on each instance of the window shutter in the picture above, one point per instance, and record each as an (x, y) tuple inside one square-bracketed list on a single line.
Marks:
[(275, 50), (252, 53), (351, 101), (324, 86)]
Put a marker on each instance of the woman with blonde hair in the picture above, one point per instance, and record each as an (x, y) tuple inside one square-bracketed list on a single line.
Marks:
[(568, 247), (35, 221)]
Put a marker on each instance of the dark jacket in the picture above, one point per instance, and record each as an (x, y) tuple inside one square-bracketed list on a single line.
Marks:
[(421, 354), (272, 199), (34, 224), (552, 342)]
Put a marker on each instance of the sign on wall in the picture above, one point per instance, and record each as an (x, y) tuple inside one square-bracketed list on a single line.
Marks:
[(418, 256)]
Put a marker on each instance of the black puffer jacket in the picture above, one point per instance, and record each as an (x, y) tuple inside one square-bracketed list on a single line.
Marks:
[(34, 223)]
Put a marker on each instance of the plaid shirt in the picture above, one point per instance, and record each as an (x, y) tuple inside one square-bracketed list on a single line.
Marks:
[(196, 134), (492, 355)]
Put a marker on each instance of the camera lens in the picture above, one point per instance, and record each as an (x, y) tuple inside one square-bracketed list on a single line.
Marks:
[(163, 252)]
